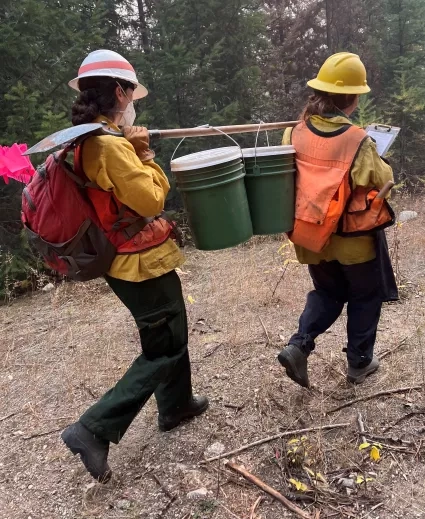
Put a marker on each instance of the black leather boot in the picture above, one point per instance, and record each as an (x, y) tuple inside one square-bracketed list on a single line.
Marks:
[(294, 360), (196, 406), (93, 451)]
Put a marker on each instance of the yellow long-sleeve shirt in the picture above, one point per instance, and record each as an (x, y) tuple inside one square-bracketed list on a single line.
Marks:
[(368, 170), (112, 163)]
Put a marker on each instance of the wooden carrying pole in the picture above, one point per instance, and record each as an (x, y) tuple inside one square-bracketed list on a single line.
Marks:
[(205, 131)]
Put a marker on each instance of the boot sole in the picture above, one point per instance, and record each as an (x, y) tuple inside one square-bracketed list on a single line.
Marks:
[(77, 446), (291, 371), (361, 378), (172, 425)]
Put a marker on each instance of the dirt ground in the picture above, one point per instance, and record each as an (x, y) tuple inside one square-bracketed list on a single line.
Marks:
[(61, 350)]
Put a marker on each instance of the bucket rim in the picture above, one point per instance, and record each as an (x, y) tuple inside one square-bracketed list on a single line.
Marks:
[(265, 151), (206, 159)]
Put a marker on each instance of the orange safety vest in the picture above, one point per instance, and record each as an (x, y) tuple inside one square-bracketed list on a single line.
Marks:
[(325, 204), (129, 232)]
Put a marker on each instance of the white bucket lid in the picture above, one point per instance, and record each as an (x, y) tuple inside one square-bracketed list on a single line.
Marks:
[(266, 151), (205, 159)]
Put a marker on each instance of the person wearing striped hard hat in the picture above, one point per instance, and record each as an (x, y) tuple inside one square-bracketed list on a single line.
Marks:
[(143, 276)]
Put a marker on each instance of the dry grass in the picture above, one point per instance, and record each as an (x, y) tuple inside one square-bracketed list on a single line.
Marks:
[(61, 350)]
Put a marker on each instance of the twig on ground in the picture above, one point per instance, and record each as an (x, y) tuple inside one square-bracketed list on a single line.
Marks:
[(280, 279), (167, 507), (373, 509), (398, 441), (163, 487), (88, 390), (271, 491), (3, 418), (265, 329), (218, 479), (39, 435), (276, 437), (238, 407), (227, 510), (404, 417), (374, 395), (255, 506), (361, 427), (390, 352), (212, 350)]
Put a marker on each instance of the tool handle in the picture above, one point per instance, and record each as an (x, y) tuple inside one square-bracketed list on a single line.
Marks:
[(203, 131), (386, 189)]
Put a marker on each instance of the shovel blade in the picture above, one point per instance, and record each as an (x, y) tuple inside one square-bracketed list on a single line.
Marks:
[(63, 136)]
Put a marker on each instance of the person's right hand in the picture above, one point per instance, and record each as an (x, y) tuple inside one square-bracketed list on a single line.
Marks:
[(138, 136)]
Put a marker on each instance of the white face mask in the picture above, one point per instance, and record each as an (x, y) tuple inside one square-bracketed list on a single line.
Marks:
[(128, 115)]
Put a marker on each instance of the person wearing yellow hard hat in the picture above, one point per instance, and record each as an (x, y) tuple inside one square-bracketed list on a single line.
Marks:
[(340, 214), (130, 189)]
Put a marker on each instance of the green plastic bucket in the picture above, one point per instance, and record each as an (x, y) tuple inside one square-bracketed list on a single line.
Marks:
[(270, 187), (213, 190)]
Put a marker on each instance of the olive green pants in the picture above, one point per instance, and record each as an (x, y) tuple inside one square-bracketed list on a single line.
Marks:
[(163, 368)]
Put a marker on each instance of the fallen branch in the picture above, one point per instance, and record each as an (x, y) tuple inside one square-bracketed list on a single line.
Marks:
[(374, 395), (212, 350), (265, 329), (255, 506), (166, 508), (390, 352), (164, 488), (227, 510), (39, 435), (3, 418), (280, 279), (271, 491), (276, 437), (238, 407), (361, 427), (404, 417)]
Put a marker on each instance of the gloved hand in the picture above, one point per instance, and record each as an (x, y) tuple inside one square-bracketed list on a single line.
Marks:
[(138, 136)]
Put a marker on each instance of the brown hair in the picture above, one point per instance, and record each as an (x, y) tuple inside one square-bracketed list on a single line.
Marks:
[(322, 103), (97, 97)]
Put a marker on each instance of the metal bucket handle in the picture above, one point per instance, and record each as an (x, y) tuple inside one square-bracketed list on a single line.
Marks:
[(214, 128), (256, 169)]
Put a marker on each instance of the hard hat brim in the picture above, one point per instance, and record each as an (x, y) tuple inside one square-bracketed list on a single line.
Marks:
[(322, 86), (139, 92)]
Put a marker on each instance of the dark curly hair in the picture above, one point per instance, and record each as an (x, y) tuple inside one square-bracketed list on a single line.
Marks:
[(322, 103), (97, 97)]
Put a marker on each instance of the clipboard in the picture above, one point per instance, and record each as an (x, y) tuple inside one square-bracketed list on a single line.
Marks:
[(383, 135)]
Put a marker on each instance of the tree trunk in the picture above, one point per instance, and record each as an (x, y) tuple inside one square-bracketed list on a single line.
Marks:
[(328, 11), (144, 35)]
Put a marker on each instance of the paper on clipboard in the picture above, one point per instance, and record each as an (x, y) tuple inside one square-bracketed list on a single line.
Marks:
[(383, 135)]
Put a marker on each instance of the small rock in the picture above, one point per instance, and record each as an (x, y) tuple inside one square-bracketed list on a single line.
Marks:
[(89, 487), (405, 216), (200, 493), (215, 449), (193, 479), (347, 483), (123, 504), (48, 288)]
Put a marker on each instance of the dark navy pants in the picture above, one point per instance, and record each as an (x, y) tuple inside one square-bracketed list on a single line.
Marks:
[(335, 284)]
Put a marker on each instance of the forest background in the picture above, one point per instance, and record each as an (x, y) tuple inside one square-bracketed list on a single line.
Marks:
[(203, 61)]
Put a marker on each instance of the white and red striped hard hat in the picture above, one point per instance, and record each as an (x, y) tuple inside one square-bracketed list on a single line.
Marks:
[(110, 64)]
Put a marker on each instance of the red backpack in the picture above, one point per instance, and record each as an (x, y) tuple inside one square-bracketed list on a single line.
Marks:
[(61, 222)]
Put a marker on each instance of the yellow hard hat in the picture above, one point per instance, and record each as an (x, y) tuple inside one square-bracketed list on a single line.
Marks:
[(342, 73)]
